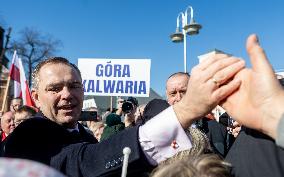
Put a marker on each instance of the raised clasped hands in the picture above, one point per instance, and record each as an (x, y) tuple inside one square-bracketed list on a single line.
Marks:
[(210, 82), (253, 97)]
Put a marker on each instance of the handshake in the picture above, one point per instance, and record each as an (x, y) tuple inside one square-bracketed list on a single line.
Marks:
[(252, 96)]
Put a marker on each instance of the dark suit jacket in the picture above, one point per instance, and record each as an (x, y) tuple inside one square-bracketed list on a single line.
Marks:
[(1, 145), (45, 141), (255, 155), (220, 140)]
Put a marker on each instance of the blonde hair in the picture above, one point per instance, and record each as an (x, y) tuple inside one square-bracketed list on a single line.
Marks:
[(205, 165), (96, 125)]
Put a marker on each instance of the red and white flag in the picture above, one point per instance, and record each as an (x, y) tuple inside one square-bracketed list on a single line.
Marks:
[(21, 88)]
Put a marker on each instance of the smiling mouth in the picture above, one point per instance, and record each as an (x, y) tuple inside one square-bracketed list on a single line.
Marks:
[(67, 107)]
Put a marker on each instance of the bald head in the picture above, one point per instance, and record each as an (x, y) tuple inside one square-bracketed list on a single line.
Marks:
[(176, 87)]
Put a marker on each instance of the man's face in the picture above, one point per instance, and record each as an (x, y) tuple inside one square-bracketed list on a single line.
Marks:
[(15, 104), (139, 112), (7, 123), (176, 88), (59, 94)]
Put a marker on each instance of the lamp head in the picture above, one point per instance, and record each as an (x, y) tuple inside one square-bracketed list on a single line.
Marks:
[(192, 28), (177, 36)]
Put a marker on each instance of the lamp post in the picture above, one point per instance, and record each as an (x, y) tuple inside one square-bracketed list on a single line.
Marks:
[(191, 29)]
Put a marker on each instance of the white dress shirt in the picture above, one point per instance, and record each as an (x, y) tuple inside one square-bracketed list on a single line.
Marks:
[(158, 134)]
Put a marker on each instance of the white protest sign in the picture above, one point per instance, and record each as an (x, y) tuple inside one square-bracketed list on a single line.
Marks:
[(115, 77)]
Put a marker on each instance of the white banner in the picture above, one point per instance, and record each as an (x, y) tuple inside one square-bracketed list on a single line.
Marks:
[(115, 77)]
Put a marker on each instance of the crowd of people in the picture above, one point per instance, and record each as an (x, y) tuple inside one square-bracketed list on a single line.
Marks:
[(179, 136)]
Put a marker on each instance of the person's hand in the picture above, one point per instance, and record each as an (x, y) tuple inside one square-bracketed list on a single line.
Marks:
[(210, 82), (258, 103)]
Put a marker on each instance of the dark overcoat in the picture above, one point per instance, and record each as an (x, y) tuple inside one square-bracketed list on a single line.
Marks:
[(45, 141), (255, 155)]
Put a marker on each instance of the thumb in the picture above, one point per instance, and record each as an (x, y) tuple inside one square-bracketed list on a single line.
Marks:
[(257, 56)]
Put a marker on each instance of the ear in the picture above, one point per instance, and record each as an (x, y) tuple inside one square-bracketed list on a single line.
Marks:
[(167, 94), (35, 97)]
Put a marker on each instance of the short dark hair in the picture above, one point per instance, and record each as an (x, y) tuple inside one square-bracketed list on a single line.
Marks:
[(153, 108), (51, 60), (17, 98), (179, 74), (27, 109), (133, 100)]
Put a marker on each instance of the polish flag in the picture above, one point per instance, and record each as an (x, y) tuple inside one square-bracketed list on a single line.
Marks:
[(21, 88)]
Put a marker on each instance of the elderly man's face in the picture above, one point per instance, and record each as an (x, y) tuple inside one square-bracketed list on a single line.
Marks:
[(7, 123), (59, 94), (176, 88)]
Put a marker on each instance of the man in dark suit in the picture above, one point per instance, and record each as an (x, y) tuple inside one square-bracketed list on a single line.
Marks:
[(54, 136), (219, 138), (58, 93)]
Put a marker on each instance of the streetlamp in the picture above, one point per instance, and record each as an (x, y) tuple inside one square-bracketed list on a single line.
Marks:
[(191, 29)]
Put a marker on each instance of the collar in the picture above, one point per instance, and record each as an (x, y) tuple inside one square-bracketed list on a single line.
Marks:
[(40, 114), (72, 129)]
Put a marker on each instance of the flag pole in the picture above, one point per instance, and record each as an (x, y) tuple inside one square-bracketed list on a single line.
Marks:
[(6, 94), (111, 104)]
